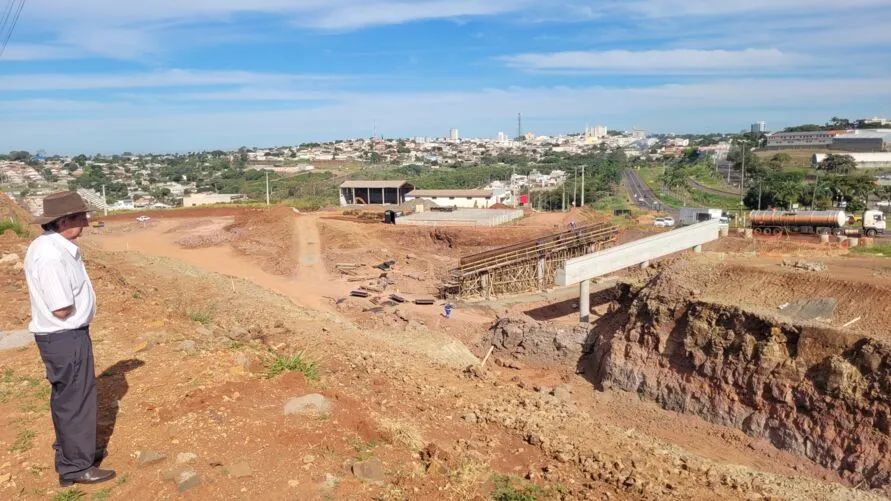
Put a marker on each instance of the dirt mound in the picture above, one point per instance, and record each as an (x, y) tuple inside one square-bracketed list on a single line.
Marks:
[(767, 288), (267, 237), (11, 211)]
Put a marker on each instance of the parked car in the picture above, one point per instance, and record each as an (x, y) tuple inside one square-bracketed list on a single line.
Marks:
[(143, 219), (659, 222), (669, 221)]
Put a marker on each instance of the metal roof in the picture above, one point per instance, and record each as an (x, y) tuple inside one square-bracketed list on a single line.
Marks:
[(450, 193), (373, 184)]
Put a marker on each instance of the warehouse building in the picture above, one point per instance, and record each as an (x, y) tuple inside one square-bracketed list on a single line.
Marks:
[(801, 140), (863, 140), (374, 192), (470, 199)]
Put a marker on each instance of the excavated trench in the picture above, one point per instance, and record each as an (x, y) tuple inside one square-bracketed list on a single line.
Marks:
[(816, 391)]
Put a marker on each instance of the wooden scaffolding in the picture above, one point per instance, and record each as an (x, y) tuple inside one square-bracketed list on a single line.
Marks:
[(527, 266)]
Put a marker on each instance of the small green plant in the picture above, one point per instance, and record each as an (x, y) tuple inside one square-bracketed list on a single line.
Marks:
[(364, 450), (43, 392), (7, 375), (200, 315), (70, 495), (101, 495), (298, 362), (36, 469), (24, 441), (506, 490), (123, 479), (15, 226), (878, 250)]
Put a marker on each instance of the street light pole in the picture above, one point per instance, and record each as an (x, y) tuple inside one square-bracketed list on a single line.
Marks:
[(267, 188)]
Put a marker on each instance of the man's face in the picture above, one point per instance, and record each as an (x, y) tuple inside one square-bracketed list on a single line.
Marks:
[(72, 226)]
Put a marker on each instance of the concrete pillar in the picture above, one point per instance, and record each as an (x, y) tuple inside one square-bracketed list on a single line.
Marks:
[(485, 283), (853, 242), (748, 233), (383, 196), (644, 265), (540, 273), (584, 301), (725, 232), (697, 249)]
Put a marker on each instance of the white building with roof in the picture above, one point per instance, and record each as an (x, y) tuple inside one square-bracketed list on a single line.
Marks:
[(469, 199)]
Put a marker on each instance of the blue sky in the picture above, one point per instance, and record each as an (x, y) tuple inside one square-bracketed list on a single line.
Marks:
[(184, 75)]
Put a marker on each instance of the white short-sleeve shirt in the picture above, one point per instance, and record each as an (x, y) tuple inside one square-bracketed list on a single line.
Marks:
[(57, 279)]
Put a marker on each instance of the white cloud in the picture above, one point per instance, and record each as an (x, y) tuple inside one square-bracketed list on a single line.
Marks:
[(168, 78), (38, 52), (381, 13), (712, 8), (658, 61)]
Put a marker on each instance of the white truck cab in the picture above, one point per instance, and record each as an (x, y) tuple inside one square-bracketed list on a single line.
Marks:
[(874, 222)]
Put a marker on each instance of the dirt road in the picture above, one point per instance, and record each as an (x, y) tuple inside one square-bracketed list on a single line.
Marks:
[(307, 286)]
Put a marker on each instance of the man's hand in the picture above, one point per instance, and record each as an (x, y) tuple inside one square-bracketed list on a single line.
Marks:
[(64, 313)]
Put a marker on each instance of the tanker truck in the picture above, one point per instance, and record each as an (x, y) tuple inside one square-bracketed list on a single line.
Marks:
[(820, 222)]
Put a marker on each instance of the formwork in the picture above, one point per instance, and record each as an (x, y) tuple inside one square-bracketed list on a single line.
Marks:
[(526, 266), (461, 217)]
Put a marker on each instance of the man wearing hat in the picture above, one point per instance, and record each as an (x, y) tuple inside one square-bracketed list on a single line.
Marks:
[(62, 306)]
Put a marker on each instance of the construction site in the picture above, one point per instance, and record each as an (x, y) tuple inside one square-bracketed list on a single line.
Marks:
[(450, 362)]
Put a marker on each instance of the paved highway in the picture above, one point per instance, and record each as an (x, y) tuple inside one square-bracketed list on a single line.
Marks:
[(642, 194)]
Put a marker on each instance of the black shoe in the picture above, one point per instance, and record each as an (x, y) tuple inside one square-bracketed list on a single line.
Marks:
[(91, 476)]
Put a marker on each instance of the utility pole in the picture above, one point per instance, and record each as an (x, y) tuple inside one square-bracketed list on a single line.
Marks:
[(575, 181), (564, 194), (583, 185), (104, 200), (267, 188), (742, 179)]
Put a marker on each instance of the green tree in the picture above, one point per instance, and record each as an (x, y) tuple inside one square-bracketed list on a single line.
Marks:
[(838, 164), (779, 161), (839, 124)]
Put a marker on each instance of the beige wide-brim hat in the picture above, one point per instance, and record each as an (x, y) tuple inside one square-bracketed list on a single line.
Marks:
[(59, 205)]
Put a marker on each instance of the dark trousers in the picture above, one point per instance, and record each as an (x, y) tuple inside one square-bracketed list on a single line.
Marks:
[(68, 357)]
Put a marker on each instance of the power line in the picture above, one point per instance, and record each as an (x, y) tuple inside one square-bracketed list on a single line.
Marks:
[(6, 12), (15, 21)]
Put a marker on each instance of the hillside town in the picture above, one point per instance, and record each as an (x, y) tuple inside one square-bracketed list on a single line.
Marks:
[(151, 181)]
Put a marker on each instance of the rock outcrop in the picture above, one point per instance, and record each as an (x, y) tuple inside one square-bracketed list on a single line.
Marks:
[(810, 389)]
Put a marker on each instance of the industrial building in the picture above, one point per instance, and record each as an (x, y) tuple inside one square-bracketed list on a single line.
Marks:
[(863, 140), (374, 192), (872, 160), (794, 140), (470, 199)]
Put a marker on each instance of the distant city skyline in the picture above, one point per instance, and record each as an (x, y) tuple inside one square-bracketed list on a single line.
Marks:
[(106, 76)]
